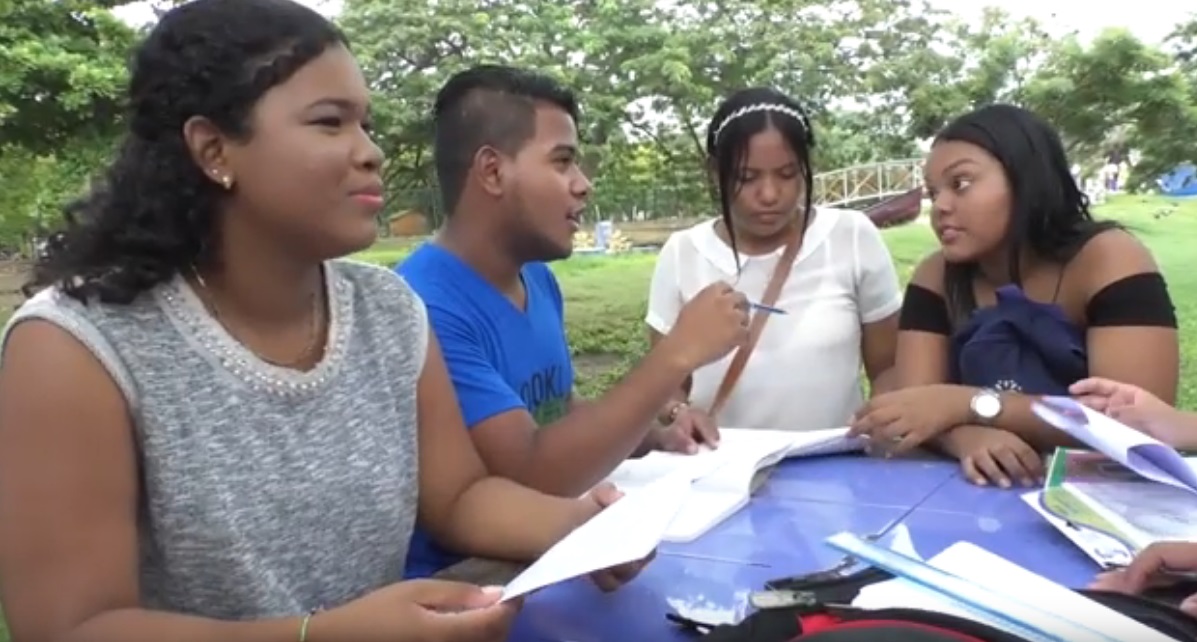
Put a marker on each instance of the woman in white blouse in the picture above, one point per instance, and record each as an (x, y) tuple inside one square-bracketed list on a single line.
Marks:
[(840, 295)]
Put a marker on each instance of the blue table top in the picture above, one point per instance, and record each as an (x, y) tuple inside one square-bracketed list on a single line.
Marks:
[(858, 480), (781, 532)]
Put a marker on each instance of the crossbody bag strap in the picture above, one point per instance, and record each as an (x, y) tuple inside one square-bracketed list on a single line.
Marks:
[(773, 290)]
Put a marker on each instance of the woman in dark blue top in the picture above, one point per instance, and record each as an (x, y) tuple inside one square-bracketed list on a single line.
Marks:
[(1026, 295)]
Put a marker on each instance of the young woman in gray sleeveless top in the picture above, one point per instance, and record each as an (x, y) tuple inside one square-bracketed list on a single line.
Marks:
[(211, 428)]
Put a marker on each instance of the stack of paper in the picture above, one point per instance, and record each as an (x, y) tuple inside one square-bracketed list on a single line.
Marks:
[(722, 478)]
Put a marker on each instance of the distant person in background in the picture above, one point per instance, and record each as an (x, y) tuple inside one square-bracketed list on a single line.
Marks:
[(1027, 295), (211, 428), (506, 153), (839, 299)]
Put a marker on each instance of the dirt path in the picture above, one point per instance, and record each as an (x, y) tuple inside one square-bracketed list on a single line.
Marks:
[(13, 275)]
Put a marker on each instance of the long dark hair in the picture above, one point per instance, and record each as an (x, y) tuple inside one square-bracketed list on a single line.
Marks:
[(741, 116), (154, 212), (1049, 214)]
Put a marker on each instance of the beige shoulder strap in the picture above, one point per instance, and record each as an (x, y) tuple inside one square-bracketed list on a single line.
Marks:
[(773, 290)]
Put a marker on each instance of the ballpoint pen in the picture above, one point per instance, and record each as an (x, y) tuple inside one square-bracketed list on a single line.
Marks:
[(765, 308)]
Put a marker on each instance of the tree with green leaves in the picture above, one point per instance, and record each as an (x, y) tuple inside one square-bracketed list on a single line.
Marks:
[(647, 74), (1119, 93), (62, 71), (62, 74)]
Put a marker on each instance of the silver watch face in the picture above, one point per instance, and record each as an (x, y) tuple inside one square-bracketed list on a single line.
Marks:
[(987, 405)]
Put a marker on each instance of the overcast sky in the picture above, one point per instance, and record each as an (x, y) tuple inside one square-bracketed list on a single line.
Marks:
[(1151, 20)]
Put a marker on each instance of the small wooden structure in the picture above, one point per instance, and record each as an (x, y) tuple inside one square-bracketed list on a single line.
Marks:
[(409, 223), (896, 210)]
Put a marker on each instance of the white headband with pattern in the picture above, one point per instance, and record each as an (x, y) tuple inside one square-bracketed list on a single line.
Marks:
[(743, 111)]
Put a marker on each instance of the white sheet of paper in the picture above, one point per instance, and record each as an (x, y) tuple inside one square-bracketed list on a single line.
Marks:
[(656, 465), (625, 531), (830, 441), (1101, 548), (1137, 451)]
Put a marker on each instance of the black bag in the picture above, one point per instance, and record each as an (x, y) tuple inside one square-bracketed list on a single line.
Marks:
[(815, 609)]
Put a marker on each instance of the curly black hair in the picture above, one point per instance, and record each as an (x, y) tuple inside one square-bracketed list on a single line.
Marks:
[(741, 116), (154, 213), (1049, 213)]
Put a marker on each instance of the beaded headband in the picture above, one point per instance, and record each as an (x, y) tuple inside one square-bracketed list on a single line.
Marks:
[(774, 107)]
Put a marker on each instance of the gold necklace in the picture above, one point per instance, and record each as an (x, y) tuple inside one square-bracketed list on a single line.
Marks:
[(209, 301)]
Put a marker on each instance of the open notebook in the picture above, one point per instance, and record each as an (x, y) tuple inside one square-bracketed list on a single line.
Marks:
[(1137, 451), (723, 478), (970, 582)]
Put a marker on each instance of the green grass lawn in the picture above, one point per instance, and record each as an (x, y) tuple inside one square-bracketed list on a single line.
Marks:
[(605, 296)]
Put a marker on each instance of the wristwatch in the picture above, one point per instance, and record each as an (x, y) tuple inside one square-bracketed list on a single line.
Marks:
[(670, 415), (986, 405)]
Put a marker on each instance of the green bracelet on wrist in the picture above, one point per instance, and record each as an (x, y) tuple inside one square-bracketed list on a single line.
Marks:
[(303, 624)]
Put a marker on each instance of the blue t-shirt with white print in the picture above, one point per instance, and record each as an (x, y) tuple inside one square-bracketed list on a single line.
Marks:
[(500, 358)]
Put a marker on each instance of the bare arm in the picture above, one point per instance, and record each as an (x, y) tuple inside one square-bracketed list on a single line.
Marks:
[(1141, 355), (878, 301), (878, 349), (646, 445), (68, 502), (1016, 417), (569, 455), (921, 356), (575, 401), (462, 506), (682, 393), (680, 396), (572, 454)]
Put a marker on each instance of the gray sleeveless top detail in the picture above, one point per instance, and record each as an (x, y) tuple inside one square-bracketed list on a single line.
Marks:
[(265, 492)]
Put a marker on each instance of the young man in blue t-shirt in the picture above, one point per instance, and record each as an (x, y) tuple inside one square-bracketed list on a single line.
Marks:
[(506, 151)]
